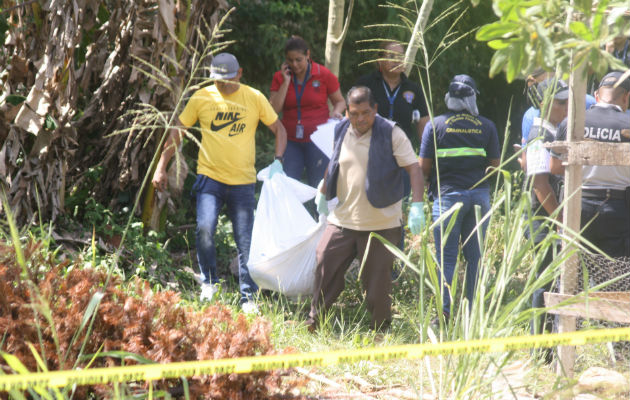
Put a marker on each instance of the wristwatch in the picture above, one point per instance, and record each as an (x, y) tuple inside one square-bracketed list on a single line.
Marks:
[(280, 158)]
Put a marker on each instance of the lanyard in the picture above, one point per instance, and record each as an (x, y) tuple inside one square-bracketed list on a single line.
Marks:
[(300, 92), (391, 98)]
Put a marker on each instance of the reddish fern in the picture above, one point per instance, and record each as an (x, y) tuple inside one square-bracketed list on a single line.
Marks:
[(154, 325)]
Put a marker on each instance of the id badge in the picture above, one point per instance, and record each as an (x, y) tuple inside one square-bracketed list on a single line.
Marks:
[(299, 131)]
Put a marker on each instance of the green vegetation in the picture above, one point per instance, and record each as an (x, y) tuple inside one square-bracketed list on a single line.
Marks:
[(101, 237), (500, 309), (531, 34)]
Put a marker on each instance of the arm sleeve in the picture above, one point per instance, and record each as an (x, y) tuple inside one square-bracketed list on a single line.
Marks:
[(276, 81), (526, 124), (426, 148), (494, 150), (332, 83), (403, 150), (189, 116), (266, 112)]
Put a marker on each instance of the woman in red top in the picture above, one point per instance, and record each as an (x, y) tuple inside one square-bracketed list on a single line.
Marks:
[(301, 90)]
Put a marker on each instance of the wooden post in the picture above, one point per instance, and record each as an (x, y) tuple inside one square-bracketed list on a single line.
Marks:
[(572, 211)]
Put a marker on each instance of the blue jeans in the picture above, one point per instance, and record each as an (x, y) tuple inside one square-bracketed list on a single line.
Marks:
[(463, 227), (610, 226), (211, 196), (307, 155)]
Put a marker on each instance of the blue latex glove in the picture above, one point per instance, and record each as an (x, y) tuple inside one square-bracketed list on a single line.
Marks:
[(275, 167), (416, 219), (320, 199), (321, 203)]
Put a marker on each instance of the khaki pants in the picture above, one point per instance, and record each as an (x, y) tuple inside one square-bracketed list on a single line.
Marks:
[(335, 252)]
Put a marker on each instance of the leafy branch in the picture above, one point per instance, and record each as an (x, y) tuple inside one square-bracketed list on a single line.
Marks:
[(535, 33)]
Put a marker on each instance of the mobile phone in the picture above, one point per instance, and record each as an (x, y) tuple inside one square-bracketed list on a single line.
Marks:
[(286, 68)]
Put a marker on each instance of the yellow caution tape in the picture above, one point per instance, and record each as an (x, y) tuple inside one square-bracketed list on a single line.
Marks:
[(320, 359)]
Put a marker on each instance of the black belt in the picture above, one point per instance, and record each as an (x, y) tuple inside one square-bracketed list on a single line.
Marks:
[(604, 194)]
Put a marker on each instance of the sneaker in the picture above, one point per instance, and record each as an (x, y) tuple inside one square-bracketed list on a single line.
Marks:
[(208, 291), (250, 308)]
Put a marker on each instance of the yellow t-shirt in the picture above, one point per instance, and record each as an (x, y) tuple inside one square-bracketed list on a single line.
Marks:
[(228, 128), (354, 210)]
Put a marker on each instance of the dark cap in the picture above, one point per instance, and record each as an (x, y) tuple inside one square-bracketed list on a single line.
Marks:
[(611, 79), (557, 87), (462, 86), (224, 66)]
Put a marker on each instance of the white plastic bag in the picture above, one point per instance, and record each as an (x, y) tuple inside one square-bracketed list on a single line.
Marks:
[(284, 238)]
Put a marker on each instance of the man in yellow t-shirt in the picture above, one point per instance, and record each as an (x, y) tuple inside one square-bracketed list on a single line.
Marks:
[(228, 113)]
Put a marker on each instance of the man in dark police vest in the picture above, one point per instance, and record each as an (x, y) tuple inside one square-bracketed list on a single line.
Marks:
[(606, 189)]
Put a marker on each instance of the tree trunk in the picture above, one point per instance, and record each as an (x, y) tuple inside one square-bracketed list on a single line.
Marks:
[(417, 36), (69, 96), (336, 33)]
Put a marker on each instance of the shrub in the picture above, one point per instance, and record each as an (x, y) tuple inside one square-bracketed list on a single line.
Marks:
[(69, 314)]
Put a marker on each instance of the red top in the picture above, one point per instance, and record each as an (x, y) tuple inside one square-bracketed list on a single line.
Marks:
[(321, 83)]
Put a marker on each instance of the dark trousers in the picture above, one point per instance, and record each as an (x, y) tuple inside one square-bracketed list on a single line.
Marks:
[(607, 224), (335, 252)]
